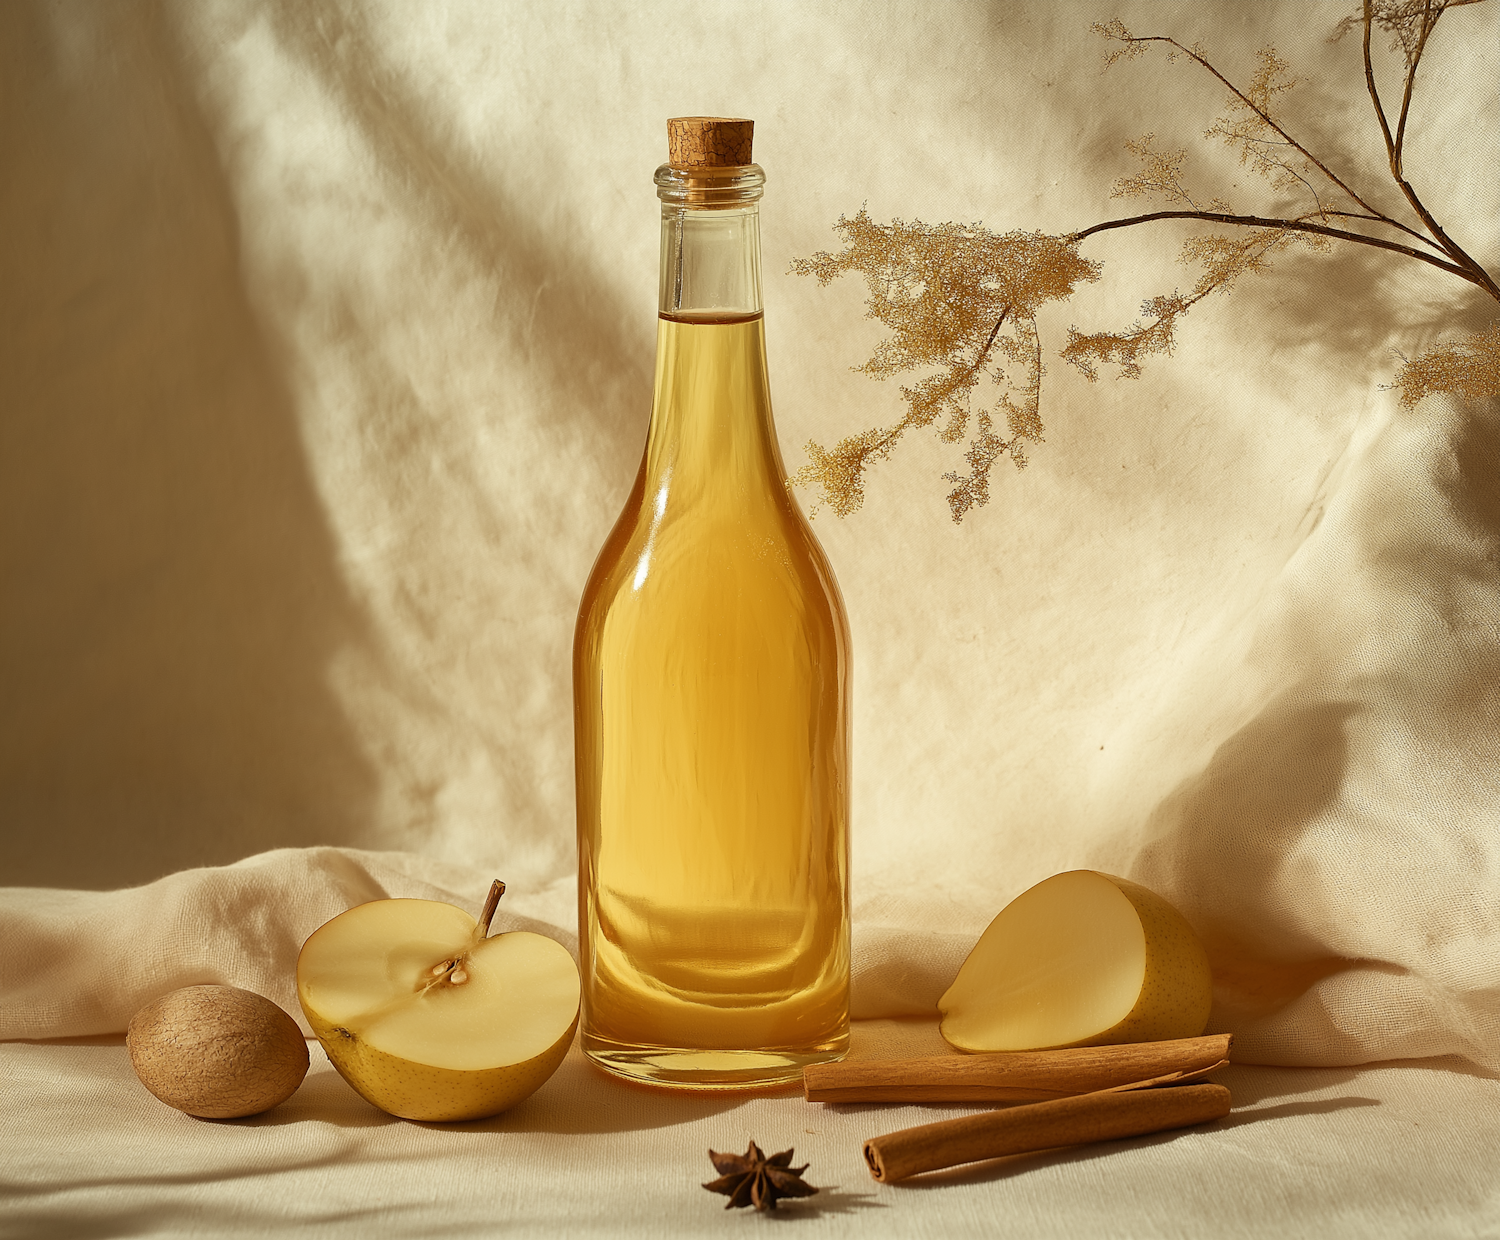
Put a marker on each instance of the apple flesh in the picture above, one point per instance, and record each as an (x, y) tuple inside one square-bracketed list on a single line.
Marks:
[(1081, 959), (430, 1019)]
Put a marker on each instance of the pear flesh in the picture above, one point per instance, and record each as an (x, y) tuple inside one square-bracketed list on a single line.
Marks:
[(422, 1039), (1081, 959)]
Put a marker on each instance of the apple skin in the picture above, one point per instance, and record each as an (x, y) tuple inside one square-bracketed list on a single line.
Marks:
[(421, 1092), (1177, 994)]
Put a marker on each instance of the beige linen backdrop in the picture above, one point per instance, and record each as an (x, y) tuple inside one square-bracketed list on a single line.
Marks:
[(326, 337)]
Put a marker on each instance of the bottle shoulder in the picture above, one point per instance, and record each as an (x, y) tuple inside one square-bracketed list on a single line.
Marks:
[(662, 558)]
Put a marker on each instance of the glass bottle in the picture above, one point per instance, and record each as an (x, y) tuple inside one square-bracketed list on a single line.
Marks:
[(711, 694)]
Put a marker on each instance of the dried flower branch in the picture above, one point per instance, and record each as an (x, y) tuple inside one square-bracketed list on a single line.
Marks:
[(961, 301)]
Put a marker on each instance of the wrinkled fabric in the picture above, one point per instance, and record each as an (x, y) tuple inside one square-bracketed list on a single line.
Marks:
[(81, 963), (1398, 1150), (325, 355)]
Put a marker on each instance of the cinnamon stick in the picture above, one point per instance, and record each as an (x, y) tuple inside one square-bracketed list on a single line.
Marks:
[(1042, 1126), (1013, 1076)]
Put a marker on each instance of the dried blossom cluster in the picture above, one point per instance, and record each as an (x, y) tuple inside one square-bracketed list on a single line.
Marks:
[(1468, 368), (961, 301)]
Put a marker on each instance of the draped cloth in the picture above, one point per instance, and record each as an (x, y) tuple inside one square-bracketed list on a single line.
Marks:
[(325, 355), (1404, 1148)]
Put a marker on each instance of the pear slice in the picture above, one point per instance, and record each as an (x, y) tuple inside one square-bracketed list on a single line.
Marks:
[(428, 1018), (1081, 959)]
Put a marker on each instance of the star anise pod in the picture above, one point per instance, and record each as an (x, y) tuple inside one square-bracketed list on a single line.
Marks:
[(753, 1179)]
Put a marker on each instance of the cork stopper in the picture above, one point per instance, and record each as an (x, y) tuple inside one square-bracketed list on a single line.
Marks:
[(709, 142)]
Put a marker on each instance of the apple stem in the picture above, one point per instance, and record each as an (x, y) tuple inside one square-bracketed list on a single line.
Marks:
[(453, 971), (491, 903)]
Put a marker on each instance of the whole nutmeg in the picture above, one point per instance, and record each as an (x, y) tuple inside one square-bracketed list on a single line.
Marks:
[(217, 1051)]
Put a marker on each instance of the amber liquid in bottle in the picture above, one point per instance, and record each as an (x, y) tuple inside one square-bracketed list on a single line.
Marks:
[(711, 704)]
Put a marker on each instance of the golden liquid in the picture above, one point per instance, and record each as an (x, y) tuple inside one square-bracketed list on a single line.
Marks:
[(710, 698)]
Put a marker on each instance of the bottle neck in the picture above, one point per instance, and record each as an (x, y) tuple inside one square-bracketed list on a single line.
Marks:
[(710, 242), (712, 439)]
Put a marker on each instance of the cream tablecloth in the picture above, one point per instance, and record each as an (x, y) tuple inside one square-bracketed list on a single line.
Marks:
[(325, 350), (1320, 1153), (1393, 1150)]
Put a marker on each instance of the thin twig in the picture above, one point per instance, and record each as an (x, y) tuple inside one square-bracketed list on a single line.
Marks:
[(994, 331), (883, 444), (1265, 116), (1428, 22), (1476, 274), (1423, 238), (1257, 221), (1385, 127), (1464, 264)]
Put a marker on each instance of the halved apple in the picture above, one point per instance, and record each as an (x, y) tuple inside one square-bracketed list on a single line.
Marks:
[(430, 1019), (1081, 959)]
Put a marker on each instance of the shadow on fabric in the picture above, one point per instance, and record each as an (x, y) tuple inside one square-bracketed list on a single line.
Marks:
[(586, 345), (1221, 840), (172, 599), (173, 585), (1345, 829)]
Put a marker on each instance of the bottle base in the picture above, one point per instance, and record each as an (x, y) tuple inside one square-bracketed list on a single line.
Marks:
[(682, 1068)]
